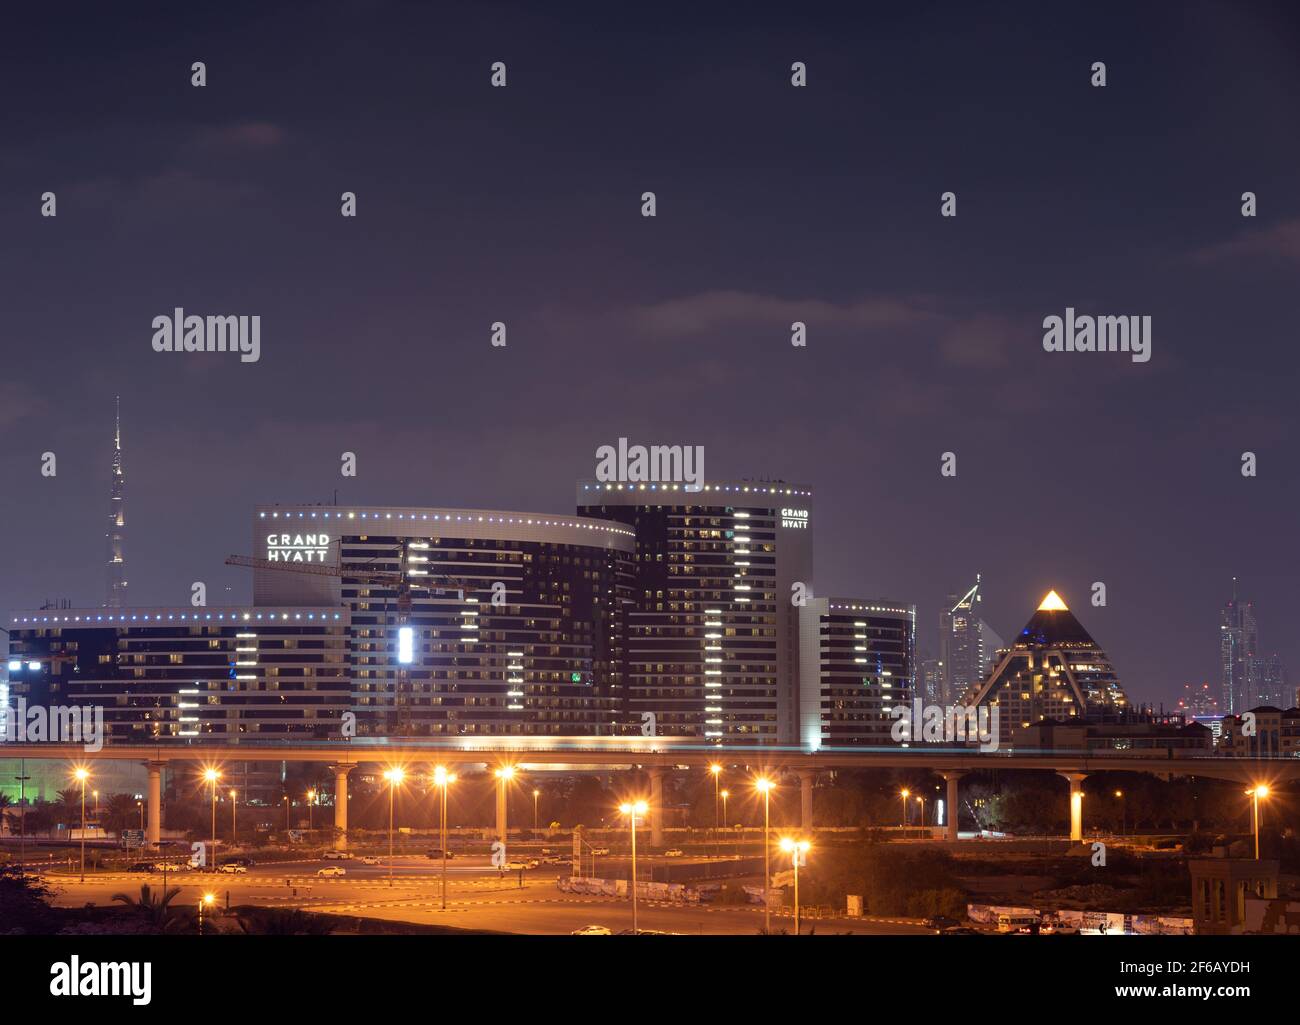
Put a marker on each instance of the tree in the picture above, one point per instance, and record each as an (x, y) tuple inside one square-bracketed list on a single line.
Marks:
[(153, 907)]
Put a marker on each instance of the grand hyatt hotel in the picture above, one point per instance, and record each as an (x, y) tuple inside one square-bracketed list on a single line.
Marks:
[(653, 609)]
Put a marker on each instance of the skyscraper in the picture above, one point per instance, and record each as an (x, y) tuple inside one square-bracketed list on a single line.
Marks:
[(1240, 668), (966, 644), (115, 596), (1053, 671), (713, 631)]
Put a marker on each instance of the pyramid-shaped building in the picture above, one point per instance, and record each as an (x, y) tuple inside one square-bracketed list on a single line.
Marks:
[(1053, 670)]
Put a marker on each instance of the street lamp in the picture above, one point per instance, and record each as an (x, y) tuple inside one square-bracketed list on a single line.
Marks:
[(905, 794), (82, 775), (504, 776), (725, 795), (633, 809), (207, 900), (1256, 792), (536, 795), (797, 849), (443, 779), (718, 772), (95, 794), (394, 777), (233, 805), (1123, 812), (311, 800), (764, 786), (921, 801), (212, 775)]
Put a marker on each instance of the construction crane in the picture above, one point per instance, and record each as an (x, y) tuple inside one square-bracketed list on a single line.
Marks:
[(399, 580)]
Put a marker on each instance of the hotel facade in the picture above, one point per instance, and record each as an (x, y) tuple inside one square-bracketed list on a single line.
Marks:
[(653, 610)]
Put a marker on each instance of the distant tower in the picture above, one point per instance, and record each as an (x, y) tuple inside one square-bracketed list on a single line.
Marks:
[(115, 596), (966, 644), (1241, 669)]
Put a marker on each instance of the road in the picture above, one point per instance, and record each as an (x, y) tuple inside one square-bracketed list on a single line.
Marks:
[(477, 898)]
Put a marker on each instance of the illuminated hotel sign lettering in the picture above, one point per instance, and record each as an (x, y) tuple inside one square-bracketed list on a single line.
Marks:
[(297, 547), (797, 518)]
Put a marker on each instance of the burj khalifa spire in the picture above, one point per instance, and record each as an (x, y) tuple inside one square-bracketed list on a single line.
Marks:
[(115, 591)]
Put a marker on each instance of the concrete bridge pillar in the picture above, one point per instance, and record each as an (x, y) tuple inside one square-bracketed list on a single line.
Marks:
[(341, 806), (806, 780), (656, 807), (1076, 803), (950, 808), (154, 834)]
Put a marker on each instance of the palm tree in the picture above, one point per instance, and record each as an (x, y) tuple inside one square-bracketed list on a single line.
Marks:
[(155, 908)]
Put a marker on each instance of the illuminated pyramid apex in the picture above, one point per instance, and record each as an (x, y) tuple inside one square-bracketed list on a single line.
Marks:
[(1052, 603)]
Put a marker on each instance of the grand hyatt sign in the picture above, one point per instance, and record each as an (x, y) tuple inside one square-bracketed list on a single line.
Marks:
[(297, 547)]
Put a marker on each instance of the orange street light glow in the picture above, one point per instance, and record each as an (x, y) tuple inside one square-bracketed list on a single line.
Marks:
[(637, 807)]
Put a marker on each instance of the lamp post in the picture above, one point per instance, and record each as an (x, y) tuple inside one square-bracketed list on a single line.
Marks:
[(921, 802), (536, 794), (716, 769), (206, 900), (22, 779), (443, 779), (1123, 812), (82, 775), (95, 794), (1256, 792), (725, 795), (212, 775), (394, 776), (905, 794), (797, 849), (140, 807), (764, 787), (233, 805), (504, 776), (633, 809)]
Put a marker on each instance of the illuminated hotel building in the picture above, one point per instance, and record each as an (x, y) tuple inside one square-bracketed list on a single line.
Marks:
[(857, 661), (463, 622), (230, 675), (712, 634), (1053, 670)]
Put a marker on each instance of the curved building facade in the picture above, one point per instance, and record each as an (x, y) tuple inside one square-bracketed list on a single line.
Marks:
[(464, 622)]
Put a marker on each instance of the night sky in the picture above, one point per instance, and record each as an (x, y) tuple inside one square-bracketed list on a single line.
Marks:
[(775, 204)]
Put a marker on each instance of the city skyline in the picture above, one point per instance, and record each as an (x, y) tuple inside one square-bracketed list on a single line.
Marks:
[(1254, 665), (522, 206)]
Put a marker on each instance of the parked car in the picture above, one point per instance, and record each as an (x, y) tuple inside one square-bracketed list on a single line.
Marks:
[(331, 870), (547, 850), (232, 868), (959, 930), (673, 852), (940, 922), (436, 854), (554, 859), (370, 859), (142, 866), (240, 860), (602, 851), (336, 856), (516, 866), (592, 930)]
